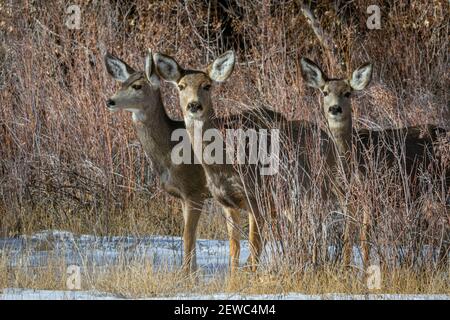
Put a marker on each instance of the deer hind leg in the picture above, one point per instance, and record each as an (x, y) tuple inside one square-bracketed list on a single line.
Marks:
[(233, 222), (443, 256), (191, 214), (445, 249)]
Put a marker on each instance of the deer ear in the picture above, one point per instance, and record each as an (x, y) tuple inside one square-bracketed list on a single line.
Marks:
[(150, 71), (361, 77), (117, 68), (167, 67), (221, 68), (312, 74)]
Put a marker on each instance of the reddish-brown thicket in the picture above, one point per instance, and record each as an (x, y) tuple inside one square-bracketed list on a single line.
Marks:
[(63, 153)]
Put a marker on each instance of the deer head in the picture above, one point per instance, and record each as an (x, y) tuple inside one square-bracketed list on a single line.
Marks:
[(139, 90), (194, 86), (336, 92)]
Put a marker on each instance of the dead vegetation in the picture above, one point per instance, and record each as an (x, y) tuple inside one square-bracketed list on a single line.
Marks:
[(67, 163)]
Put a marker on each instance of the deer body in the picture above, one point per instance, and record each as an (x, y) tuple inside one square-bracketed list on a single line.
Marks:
[(227, 184), (180, 180), (140, 94), (415, 144)]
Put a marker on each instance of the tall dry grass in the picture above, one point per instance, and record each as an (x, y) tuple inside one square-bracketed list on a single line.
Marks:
[(67, 163), (137, 278)]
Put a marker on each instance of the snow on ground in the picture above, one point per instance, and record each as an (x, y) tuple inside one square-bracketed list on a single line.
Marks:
[(27, 294), (163, 252), (330, 296)]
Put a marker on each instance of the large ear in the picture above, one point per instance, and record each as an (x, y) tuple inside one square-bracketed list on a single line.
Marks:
[(167, 67), (312, 74), (361, 77), (221, 68), (117, 68), (149, 67)]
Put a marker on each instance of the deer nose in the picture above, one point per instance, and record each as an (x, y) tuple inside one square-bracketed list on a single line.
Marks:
[(110, 103), (335, 110), (194, 107)]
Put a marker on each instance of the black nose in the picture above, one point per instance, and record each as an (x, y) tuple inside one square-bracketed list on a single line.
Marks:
[(110, 103), (334, 110), (194, 107)]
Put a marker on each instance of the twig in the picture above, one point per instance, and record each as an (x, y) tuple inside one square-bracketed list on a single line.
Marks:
[(325, 39)]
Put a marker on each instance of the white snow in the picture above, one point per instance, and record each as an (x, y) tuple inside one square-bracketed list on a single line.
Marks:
[(86, 250), (28, 294), (162, 252)]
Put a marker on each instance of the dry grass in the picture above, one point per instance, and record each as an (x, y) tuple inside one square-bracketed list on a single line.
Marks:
[(66, 163), (139, 280)]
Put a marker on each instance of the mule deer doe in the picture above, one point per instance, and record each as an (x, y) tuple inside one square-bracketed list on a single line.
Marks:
[(225, 182), (410, 142), (140, 94)]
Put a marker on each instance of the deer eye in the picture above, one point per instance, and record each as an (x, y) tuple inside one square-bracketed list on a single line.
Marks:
[(347, 94), (325, 93), (136, 86), (207, 87), (181, 86)]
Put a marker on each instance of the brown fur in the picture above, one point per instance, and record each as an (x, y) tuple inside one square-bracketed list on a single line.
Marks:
[(415, 143), (154, 128), (233, 187)]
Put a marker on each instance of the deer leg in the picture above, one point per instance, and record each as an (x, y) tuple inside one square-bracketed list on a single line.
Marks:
[(191, 214), (443, 256), (445, 249), (347, 249), (364, 237), (255, 240), (233, 223)]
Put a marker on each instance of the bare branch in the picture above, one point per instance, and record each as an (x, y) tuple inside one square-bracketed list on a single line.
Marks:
[(325, 39)]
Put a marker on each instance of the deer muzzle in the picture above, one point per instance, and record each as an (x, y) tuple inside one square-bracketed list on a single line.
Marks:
[(193, 107), (335, 110)]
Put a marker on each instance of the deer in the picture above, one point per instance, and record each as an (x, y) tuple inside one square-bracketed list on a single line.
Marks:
[(415, 143), (224, 181), (140, 95)]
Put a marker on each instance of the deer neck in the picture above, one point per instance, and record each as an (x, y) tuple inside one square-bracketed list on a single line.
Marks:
[(154, 129), (342, 135), (196, 129)]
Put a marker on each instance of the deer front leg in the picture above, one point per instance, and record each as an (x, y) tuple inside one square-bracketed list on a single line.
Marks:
[(191, 214), (255, 240), (364, 236), (347, 249), (233, 222)]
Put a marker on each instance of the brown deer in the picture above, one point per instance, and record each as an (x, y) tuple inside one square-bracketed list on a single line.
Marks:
[(226, 183), (414, 143), (140, 94)]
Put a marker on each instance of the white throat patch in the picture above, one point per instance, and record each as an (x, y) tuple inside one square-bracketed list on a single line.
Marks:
[(138, 115)]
